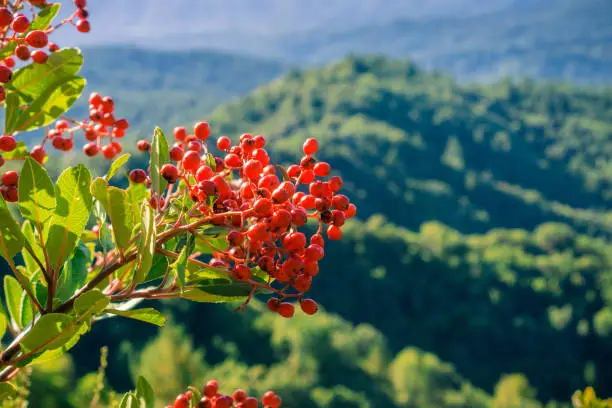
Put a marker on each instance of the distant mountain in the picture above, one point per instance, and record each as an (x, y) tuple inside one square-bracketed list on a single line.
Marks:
[(553, 39)]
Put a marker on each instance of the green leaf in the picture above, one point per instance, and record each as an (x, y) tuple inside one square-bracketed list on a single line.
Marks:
[(120, 216), (11, 237), (129, 400), (137, 193), (147, 315), (74, 274), (7, 391), (146, 245), (116, 165), (90, 303), (26, 310), (20, 152), (12, 112), (179, 267), (50, 104), (31, 241), (12, 295), (8, 50), (36, 194), (32, 81), (45, 17), (158, 268), (44, 356), (74, 203), (4, 320), (115, 202), (144, 392), (51, 331), (159, 157)]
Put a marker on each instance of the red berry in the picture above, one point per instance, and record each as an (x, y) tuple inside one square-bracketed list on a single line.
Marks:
[(262, 156), (37, 39), (38, 153), (181, 402), (340, 202), (204, 173), (107, 104), (2, 161), (313, 253), (250, 402), (10, 194), (309, 306), (194, 146), (351, 211), (53, 47), (156, 202), (239, 395), (211, 388), (271, 400), (307, 176), (109, 152), (273, 304), (322, 169), (122, 124), (286, 310), (241, 273), (202, 130), (80, 3), (6, 17), (334, 233), (10, 178), (91, 149), (22, 52), (138, 176), (20, 24), (95, 99), (176, 153), (191, 161), (317, 240), (83, 26), (5, 74), (233, 161), (180, 133), (224, 401), (335, 183), (82, 13), (2, 94), (252, 169), (143, 145), (224, 143), (170, 173), (7, 143), (310, 146), (39, 57)]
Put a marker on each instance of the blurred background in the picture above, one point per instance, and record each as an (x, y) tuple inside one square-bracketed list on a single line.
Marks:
[(476, 139)]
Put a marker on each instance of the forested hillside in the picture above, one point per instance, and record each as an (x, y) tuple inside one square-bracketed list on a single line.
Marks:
[(479, 273)]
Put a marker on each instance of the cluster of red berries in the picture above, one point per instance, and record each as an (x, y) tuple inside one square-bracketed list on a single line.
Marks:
[(30, 44), (243, 191), (103, 124), (8, 186), (211, 398)]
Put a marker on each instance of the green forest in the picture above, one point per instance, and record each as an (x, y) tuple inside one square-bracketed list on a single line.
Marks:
[(478, 273)]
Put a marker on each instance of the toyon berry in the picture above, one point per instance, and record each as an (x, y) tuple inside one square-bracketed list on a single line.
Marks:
[(10, 194), (224, 143), (138, 176), (170, 173), (7, 143), (201, 130), (286, 310), (20, 23), (38, 153), (310, 146), (5, 74), (83, 26), (143, 145), (270, 399), (37, 39), (6, 17), (10, 178), (40, 57), (211, 388), (91, 149), (2, 94), (22, 52), (181, 401), (309, 306), (80, 3)]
